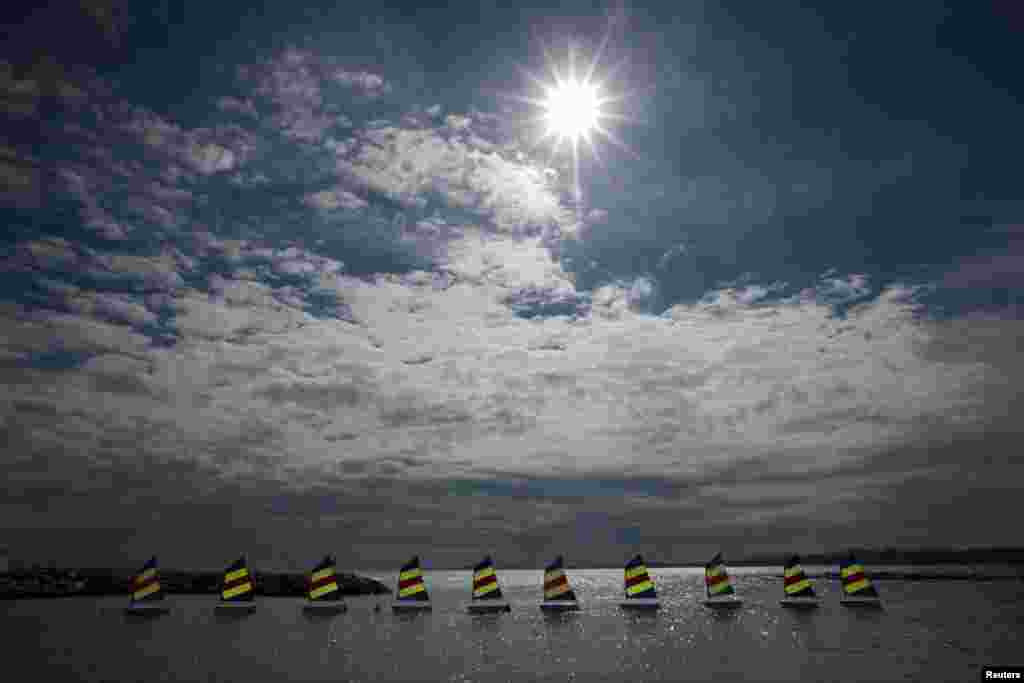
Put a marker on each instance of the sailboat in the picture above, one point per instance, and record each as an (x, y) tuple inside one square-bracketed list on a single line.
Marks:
[(323, 595), (486, 591), (720, 592), (640, 592), (857, 587), (412, 591), (236, 593), (797, 588), (147, 597), (558, 594)]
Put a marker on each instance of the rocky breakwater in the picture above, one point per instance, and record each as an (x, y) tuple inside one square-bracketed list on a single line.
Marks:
[(51, 583)]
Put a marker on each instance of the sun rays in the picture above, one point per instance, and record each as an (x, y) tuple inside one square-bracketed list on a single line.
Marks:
[(574, 108)]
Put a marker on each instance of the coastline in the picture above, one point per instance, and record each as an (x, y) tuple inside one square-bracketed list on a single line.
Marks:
[(58, 583)]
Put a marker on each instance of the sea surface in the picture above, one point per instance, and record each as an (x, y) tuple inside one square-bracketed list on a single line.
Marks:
[(928, 631)]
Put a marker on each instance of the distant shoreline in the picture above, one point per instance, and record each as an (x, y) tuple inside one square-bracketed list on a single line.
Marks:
[(58, 583)]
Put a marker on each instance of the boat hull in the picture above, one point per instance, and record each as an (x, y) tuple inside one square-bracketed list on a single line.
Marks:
[(559, 605), (324, 608), (411, 606), (640, 603), (861, 602), (488, 606), (799, 602), (235, 607), (147, 610), (723, 602)]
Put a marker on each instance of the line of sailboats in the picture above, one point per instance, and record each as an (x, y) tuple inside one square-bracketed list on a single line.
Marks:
[(323, 595)]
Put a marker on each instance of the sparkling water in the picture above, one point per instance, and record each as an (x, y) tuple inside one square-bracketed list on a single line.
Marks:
[(928, 631)]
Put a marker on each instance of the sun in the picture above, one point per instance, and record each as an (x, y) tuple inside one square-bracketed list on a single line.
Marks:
[(576, 110), (572, 110)]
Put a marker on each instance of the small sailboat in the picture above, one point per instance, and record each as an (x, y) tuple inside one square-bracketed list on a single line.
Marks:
[(558, 594), (857, 587), (720, 592), (486, 591), (640, 592), (323, 595), (798, 590), (412, 593), (236, 593), (147, 597)]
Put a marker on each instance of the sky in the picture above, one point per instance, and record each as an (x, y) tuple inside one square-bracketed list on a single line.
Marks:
[(308, 277)]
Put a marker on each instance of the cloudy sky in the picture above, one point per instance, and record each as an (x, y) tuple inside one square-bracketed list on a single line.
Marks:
[(311, 278)]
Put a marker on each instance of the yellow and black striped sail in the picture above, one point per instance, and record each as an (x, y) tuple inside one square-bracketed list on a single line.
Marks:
[(145, 585), (855, 581), (485, 581), (716, 579), (638, 582), (411, 587), (237, 586), (795, 583), (323, 582), (556, 583)]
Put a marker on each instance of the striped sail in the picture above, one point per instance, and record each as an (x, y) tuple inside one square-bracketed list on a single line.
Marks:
[(795, 583), (146, 584), (716, 579), (485, 581), (638, 582), (855, 581), (237, 586), (323, 582), (410, 583), (556, 583)]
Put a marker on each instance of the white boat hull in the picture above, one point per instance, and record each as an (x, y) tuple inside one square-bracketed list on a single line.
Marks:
[(854, 601), (411, 606), (324, 608), (730, 601), (236, 607), (559, 605), (147, 609), (799, 602), (487, 606), (640, 603)]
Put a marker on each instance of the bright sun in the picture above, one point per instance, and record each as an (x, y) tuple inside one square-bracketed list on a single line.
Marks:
[(573, 109)]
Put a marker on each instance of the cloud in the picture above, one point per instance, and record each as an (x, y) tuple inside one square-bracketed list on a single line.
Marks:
[(297, 316)]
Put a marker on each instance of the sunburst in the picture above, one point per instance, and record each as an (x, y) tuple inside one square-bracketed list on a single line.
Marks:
[(574, 108)]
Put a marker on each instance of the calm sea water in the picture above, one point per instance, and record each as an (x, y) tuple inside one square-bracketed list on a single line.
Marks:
[(928, 631)]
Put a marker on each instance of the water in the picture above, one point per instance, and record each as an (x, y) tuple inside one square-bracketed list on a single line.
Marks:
[(934, 631)]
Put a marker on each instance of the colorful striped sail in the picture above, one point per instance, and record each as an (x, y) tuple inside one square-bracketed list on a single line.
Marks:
[(485, 581), (716, 579), (323, 582), (795, 583), (556, 583), (237, 586), (638, 583), (145, 586), (855, 582), (411, 587)]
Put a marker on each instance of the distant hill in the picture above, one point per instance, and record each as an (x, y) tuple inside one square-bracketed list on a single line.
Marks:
[(897, 556)]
